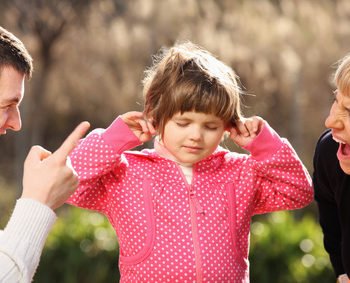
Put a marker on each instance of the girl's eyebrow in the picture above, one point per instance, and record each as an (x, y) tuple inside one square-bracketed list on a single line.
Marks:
[(181, 119), (212, 122)]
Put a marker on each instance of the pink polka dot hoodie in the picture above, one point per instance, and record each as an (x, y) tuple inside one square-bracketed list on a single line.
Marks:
[(172, 231)]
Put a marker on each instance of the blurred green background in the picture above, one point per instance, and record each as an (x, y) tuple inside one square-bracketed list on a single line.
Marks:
[(89, 59)]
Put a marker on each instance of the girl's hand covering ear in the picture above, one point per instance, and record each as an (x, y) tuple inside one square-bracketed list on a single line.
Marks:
[(245, 130), (139, 125)]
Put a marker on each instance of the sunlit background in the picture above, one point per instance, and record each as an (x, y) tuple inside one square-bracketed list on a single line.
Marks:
[(89, 59)]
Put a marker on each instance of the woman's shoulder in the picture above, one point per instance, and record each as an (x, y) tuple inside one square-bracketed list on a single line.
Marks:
[(326, 148), (326, 142)]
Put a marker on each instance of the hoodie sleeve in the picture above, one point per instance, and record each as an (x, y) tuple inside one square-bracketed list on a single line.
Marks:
[(96, 156), (281, 180)]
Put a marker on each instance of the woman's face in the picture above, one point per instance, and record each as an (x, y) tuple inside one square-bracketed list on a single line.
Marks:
[(338, 121)]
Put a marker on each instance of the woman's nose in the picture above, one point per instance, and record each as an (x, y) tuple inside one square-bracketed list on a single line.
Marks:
[(333, 121)]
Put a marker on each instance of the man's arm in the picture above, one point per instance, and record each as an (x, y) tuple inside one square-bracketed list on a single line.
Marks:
[(48, 180), (23, 239)]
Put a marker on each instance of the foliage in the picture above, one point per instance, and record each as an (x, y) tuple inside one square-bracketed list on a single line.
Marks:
[(288, 250), (82, 248)]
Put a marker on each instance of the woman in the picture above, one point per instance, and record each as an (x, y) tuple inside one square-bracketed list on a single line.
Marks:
[(331, 175)]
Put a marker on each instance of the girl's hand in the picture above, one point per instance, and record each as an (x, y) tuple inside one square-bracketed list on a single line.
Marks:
[(246, 130), (141, 127)]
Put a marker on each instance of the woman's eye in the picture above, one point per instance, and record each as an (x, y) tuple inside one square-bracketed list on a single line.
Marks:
[(7, 107)]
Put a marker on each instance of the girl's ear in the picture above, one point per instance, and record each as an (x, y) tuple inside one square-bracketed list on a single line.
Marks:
[(230, 124), (233, 122)]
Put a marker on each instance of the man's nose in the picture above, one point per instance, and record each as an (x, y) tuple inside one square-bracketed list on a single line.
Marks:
[(14, 121)]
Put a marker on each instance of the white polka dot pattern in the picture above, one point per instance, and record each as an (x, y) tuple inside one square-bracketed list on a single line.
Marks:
[(163, 234)]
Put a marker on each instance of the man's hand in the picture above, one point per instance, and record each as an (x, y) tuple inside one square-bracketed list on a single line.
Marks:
[(49, 177)]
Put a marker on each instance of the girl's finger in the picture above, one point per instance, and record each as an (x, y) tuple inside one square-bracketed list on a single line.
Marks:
[(150, 126), (144, 125), (242, 129), (250, 126)]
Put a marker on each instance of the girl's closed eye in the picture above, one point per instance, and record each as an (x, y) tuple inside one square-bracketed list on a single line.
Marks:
[(211, 128), (182, 124)]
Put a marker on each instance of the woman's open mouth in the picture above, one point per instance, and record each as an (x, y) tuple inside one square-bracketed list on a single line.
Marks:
[(343, 151)]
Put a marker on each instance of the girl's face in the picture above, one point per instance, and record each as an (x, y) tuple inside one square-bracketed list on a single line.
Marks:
[(192, 136)]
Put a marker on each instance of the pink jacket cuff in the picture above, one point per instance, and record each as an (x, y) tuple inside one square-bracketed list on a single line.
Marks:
[(266, 143), (119, 136)]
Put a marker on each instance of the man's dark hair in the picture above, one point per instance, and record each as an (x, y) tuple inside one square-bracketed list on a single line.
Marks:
[(14, 54)]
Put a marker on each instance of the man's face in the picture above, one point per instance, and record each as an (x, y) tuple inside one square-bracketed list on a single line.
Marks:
[(11, 95)]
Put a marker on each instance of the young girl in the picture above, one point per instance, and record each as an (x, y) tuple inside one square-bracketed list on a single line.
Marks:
[(182, 210)]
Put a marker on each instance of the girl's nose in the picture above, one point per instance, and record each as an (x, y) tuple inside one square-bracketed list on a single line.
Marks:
[(195, 133)]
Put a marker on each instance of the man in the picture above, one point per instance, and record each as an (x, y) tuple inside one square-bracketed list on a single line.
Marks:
[(48, 179), (331, 176)]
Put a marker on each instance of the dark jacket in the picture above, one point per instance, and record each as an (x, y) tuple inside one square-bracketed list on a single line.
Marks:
[(332, 194)]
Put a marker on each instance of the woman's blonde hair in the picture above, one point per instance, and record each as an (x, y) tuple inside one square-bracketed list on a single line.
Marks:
[(342, 75), (189, 78)]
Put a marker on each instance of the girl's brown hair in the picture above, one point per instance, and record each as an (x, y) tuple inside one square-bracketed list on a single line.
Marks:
[(189, 78)]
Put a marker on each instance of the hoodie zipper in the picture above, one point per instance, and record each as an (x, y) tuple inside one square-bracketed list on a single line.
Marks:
[(195, 209)]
